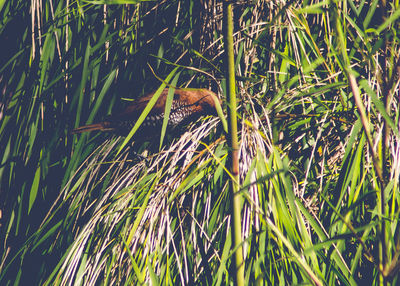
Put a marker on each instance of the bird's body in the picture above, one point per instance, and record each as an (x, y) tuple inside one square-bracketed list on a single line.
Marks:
[(187, 105)]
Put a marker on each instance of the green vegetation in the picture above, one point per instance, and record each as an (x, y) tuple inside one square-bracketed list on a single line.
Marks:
[(317, 88)]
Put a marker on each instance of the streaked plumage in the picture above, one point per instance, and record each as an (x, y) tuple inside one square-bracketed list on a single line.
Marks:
[(187, 106)]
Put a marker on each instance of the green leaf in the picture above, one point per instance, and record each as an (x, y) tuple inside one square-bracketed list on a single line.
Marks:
[(168, 105), (146, 111), (34, 189), (389, 21), (379, 105), (99, 99)]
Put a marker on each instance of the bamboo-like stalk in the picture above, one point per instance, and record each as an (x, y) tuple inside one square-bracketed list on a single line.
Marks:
[(234, 146)]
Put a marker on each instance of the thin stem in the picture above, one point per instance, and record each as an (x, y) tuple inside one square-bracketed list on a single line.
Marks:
[(234, 147)]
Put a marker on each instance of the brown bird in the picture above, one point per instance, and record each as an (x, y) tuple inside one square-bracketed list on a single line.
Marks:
[(187, 106)]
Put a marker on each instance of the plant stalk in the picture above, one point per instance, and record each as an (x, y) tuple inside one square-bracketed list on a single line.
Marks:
[(234, 146)]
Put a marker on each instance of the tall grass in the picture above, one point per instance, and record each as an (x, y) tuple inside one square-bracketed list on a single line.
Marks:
[(318, 90)]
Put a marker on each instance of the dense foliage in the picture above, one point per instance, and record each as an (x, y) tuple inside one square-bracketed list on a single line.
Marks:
[(319, 153)]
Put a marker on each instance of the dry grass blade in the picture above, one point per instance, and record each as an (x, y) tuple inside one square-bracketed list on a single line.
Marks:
[(122, 200)]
